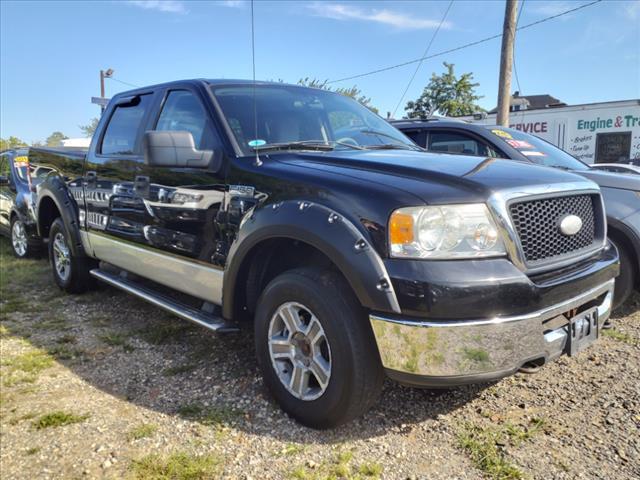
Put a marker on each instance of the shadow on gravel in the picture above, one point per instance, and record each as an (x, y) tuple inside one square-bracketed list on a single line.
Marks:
[(138, 353)]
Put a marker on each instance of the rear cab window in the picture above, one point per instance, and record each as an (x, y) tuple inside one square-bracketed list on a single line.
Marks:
[(121, 132)]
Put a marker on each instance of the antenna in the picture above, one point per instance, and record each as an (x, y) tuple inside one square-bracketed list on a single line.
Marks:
[(258, 162)]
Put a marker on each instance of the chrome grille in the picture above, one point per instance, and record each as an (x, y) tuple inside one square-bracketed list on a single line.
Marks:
[(537, 223)]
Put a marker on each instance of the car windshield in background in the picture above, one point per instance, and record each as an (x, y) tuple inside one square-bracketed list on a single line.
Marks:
[(537, 150), (290, 117)]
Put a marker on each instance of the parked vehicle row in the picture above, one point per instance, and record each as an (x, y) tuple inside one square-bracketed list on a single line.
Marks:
[(351, 252), (621, 193)]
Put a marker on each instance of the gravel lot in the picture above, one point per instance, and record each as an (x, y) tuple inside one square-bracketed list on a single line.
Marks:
[(102, 385)]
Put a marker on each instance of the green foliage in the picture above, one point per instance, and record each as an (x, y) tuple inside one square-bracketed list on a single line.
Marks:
[(446, 95), (353, 92), (342, 466), (55, 139), (143, 430), (58, 419), (11, 142), (178, 466), (90, 128)]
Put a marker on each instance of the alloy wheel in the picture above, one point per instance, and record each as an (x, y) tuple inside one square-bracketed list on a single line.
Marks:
[(299, 350)]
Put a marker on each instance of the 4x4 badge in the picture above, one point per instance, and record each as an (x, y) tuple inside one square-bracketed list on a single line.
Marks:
[(570, 224)]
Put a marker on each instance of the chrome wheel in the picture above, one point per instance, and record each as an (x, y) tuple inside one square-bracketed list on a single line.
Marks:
[(299, 351), (19, 238), (61, 257)]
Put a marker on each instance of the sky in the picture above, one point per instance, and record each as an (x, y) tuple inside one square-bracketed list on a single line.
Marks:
[(51, 52)]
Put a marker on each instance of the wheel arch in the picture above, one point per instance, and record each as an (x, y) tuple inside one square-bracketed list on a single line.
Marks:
[(54, 200), (625, 237), (322, 235)]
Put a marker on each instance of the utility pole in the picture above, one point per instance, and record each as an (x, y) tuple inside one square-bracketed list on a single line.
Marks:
[(104, 74), (506, 62)]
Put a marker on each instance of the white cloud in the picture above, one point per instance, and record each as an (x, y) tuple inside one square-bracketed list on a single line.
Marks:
[(338, 11), (549, 9), (633, 9), (233, 3), (168, 6)]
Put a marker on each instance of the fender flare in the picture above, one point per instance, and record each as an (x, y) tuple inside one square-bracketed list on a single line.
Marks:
[(54, 188), (323, 228), (629, 235)]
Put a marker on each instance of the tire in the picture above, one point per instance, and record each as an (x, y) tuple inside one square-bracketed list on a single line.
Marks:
[(355, 371), (70, 271), (21, 246), (626, 280)]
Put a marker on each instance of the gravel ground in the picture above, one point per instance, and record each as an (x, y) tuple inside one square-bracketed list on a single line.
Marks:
[(102, 385)]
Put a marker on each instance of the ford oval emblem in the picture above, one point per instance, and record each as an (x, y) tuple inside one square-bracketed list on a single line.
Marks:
[(570, 225)]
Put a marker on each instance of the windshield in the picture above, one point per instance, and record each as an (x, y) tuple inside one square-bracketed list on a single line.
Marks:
[(288, 114), (536, 149)]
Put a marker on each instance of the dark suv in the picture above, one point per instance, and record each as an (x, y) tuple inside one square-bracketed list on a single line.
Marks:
[(348, 250), (621, 193), (17, 217)]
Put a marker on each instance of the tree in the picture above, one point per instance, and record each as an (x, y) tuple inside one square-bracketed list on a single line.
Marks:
[(11, 142), (55, 139), (447, 95), (90, 128), (353, 92)]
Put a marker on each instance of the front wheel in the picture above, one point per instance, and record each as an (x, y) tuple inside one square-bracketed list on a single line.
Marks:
[(315, 348), (20, 240), (70, 271), (626, 280)]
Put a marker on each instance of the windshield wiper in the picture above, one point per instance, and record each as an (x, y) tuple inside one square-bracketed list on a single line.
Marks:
[(400, 143), (302, 145), (390, 146)]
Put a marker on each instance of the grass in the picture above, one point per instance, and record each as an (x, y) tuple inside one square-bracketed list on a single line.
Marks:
[(63, 352), (217, 415), (341, 467), (26, 367), (67, 339), (144, 430), (165, 332), (54, 323), (482, 446), (619, 336), (178, 369), (178, 466), (115, 339), (58, 419), (32, 451), (292, 449)]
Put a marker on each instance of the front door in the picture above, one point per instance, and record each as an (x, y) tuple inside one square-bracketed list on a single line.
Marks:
[(156, 222)]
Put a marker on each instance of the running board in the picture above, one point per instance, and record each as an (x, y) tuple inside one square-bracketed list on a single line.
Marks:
[(206, 320)]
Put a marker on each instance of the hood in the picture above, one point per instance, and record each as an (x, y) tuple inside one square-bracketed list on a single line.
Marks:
[(612, 180), (435, 178)]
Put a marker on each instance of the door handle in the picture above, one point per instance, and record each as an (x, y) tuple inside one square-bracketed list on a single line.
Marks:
[(90, 177)]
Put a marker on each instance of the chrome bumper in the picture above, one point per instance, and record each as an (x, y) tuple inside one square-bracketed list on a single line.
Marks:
[(468, 351)]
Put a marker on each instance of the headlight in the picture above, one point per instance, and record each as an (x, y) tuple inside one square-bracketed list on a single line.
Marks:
[(448, 231)]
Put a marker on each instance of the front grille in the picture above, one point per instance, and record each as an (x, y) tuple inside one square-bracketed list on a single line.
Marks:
[(537, 223)]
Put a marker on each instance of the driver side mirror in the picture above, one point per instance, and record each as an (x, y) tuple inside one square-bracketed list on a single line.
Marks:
[(177, 149)]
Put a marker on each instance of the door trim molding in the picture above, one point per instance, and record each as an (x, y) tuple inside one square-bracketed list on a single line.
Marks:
[(190, 277)]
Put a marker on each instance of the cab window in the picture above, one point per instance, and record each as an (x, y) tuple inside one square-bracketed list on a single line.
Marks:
[(182, 111), (122, 130), (458, 144)]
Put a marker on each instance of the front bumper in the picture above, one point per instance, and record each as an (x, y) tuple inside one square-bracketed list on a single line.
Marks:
[(456, 352)]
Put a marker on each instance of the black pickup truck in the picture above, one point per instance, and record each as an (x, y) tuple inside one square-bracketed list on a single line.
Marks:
[(349, 250)]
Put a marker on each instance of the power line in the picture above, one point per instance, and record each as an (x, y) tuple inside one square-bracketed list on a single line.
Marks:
[(455, 49), (433, 37), (124, 83)]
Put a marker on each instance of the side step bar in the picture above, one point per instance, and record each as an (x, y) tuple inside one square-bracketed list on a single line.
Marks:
[(206, 320)]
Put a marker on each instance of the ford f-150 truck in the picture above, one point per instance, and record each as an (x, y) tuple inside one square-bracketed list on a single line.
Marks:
[(350, 251)]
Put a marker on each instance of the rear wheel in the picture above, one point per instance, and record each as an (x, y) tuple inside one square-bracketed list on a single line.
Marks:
[(626, 280), (20, 240), (70, 271), (315, 349)]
